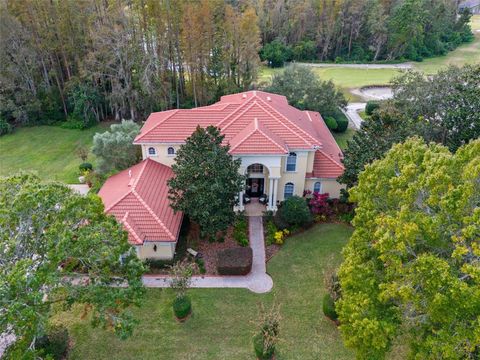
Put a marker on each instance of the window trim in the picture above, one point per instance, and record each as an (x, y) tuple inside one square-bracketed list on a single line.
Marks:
[(285, 188), (319, 188), (154, 151), (291, 154), (168, 151)]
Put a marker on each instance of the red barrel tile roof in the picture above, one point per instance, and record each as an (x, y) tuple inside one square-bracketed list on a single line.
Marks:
[(138, 198)]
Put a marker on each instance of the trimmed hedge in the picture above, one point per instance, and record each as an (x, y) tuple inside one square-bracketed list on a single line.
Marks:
[(85, 167), (331, 122), (182, 307), (235, 261), (55, 343), (329, 307), (371, 106), (260, 351), (240, 231), (342, 124)]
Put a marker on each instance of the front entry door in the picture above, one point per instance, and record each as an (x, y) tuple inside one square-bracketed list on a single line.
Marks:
[(255, 187)]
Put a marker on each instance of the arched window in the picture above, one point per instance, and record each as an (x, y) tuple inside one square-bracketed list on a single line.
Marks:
[(171, 151), (292, 162), (152, 151), (288, 192), (317, 187)]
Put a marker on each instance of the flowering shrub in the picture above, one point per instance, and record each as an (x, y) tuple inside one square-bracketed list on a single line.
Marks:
[(318, 204), (280, 236)]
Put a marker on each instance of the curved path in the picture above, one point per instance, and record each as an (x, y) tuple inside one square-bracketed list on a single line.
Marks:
[(351, 112), (360, 66), (257, 280)]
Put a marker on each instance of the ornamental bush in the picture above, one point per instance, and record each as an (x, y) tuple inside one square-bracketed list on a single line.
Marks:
[(331, 122), (329, 307), (235, 261), (371, 106), (295, 212), (182, 307), (342, 123), (5, 127), (262, 351), (85, 167), (240, 230)]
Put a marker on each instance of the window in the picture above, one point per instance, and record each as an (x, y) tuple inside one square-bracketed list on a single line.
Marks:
[(171, 151), (152, 151), (288, 192), (317, 187), (255, 169), (292, 162)]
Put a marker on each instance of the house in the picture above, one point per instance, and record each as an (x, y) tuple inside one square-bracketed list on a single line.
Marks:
[(283, 151)]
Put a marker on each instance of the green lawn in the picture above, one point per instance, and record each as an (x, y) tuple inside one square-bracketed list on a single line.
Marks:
[(221, 326), (48, 150), (342, 138), (348, 78)]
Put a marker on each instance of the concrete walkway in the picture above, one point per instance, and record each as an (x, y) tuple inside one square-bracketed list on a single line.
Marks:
[(81, 189), (351, 112), (257, 280)]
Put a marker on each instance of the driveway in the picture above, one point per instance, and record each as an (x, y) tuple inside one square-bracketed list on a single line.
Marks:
[(257, 281)]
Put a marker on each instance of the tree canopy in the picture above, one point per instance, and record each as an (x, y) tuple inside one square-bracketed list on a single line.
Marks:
[(48, 237), (412, 266), (442, 108), (114, 149), (207, 181), (305, 91)]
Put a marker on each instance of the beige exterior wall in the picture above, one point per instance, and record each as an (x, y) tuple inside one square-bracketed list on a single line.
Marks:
[(296, 177), (330, 186), (165, 250), (161, 153)]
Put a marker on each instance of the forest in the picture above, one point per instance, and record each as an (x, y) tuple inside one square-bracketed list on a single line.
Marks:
[(77, 62)]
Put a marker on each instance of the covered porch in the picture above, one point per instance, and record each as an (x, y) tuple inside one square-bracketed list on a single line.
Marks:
[(260, 192)]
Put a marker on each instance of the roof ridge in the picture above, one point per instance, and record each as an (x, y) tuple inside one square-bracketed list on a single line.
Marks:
[(291, 122), (250, 133), (154, 127), (134, 185), (137, 195), (235, 112), (129, 227), (267, 136)]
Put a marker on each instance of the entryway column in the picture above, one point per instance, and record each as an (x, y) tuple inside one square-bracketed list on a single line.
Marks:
[(275, 190), (270, 195), (240, 201)]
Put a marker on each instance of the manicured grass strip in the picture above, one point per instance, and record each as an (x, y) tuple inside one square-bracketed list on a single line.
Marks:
[(342, 138), (47, 150), (221, 325)]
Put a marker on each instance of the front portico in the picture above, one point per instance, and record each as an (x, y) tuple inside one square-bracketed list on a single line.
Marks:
[(262, 175)]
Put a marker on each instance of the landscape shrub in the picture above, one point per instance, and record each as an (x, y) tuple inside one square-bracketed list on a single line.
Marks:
[(85, 167), (270, 230), (182, 307), (54, 343), (331, 122), (318, 204), (5, 127), (342, 123), (201, 265), (329, 307), (240, 230), (75, 123), (262, 351), (371, 107), (295, 212), (159, 264), (280, 236), (235, 261)]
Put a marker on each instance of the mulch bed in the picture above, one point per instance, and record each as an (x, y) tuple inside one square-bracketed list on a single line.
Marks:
[(270, 251), (209, 250)]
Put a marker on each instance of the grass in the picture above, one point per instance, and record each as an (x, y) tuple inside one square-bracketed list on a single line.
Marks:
[(342, 138), (222, 324), (47, 150)]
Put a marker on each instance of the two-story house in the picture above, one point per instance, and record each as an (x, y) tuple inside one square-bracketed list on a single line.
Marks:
[(283, 150)]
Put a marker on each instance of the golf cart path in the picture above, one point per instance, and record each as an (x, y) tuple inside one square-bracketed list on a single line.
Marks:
[(360, 66), (257, 281)]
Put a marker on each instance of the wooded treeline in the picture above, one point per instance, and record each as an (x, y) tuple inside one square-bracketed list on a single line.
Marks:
[(362, 30), (84, 60)]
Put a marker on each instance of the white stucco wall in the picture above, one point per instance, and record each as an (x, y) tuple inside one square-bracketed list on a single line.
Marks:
[(165, 250)]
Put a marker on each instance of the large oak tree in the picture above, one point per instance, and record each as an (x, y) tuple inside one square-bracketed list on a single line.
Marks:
[(60, 248), (412, 266)]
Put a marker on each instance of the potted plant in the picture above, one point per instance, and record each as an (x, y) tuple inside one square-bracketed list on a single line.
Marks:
[(266, 339), (182, 273)]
